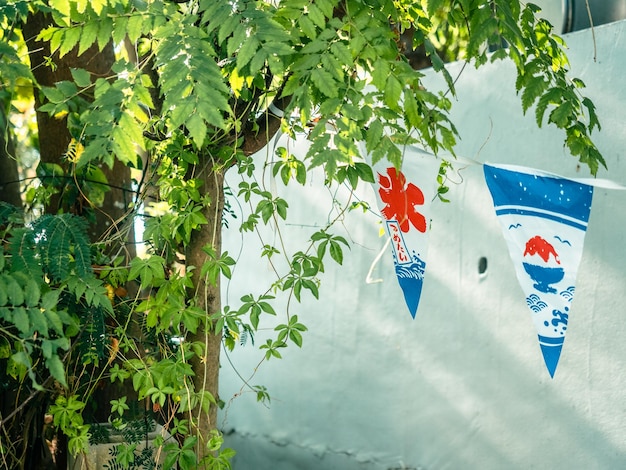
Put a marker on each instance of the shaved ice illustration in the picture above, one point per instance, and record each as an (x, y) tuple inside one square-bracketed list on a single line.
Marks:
[(542, 275)]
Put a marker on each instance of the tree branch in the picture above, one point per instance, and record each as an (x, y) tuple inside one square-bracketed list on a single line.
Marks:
[(267, 125)]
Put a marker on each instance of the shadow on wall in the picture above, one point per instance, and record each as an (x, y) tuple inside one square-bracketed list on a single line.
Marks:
[(461, 387), (464, 385)]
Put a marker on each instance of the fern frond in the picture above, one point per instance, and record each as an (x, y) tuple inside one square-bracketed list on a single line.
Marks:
[(138, 430), (91, 344), (23, 252), (63, 245)]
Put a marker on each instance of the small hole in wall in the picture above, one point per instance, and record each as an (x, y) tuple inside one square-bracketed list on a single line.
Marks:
[(482, 265)]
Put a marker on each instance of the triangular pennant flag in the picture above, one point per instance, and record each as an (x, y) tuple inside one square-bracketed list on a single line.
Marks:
[(544, 218), (404, 199)]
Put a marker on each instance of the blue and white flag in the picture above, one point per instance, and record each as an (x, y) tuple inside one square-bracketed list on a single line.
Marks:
[(404, 198), (544, 218)]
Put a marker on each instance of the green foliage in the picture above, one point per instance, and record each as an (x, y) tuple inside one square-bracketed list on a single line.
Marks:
[(289, 167), (303, 275), (92, 342), (62, 246), (215, 267), (253, 308), (333, 243), (43, 288), (184, 456), (132, 454), (542, 79), (271, 348), (291, 330), (67, 415), (200, 96), (151, 271)]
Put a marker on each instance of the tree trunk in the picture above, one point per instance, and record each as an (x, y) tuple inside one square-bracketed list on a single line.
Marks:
[(54, 136), (206, 368), (111, 219), (9, 175)]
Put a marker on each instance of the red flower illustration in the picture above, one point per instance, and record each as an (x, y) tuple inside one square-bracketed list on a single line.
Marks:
[(400, 199)]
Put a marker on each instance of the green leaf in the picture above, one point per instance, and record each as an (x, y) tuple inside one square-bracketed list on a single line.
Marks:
[(181, 112), (119, 29), (21, 320), (365, 172), (434, 5), (228, 27), (62, 6), (380, 72), (392, 92), (312, 287), (324, 82), (81, 77), (14, 291), (553, 95), (593, 118), (5, 348), (342, 53), (281, 208), (326, 6), (88, 36), (55, 36), (54, 319), (197, 129), (563, 114), (533, 90), (98, 5), (39, 321), (55, 366), (68, 88), (411, 110), (71, 37), (336, 252), (31, 293), (135, 27), (307, 27), (150, 270), (132, 128), (248, 49), (105, 31), (52, 94), (81, 5), (296, 337), (123, 146), (6, 314), (22, 359), (316, 15)]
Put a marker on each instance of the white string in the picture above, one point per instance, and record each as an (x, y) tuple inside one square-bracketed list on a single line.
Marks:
[(368, 278)]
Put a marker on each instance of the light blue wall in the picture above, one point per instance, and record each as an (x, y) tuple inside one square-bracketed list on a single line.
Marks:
[(464, 385)]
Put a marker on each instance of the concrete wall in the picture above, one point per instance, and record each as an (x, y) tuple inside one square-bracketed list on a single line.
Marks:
[(463, 385)]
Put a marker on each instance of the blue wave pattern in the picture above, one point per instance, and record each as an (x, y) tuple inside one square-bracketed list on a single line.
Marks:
[(410, 268), (535, 303), (411, 278), (415, 270)]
